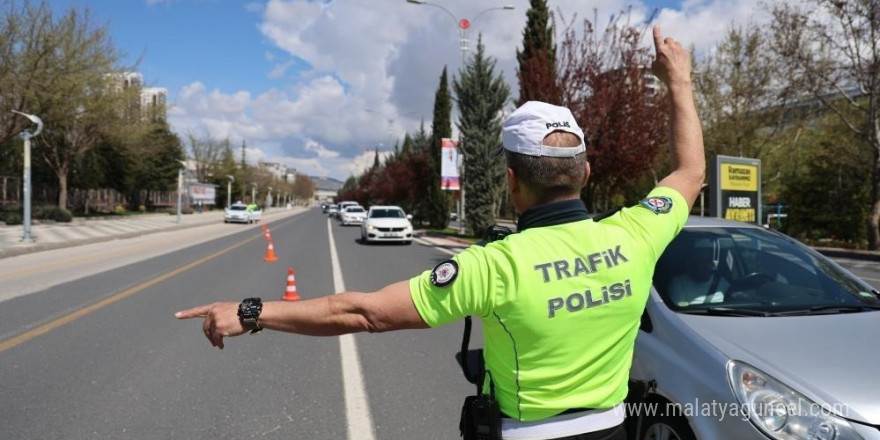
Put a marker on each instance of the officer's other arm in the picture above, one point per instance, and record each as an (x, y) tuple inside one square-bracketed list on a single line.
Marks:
[(390, 308), (672, 65)]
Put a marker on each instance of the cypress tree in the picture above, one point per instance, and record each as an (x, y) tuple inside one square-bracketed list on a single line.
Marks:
[(441, 127), (537, 61), (481, 94)]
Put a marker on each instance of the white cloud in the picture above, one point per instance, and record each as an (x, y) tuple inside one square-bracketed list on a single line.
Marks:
[(322, 151), (353, 56)]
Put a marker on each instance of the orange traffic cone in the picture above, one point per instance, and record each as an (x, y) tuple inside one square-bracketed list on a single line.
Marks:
[(268, 236), (263, 226), (270, 254), (290, 293)]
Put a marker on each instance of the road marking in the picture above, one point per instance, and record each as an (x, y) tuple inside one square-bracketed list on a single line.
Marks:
[(435, 246), (67, 319), (357, 409)]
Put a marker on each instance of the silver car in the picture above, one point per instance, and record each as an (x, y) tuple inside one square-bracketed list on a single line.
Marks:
[(749, 334)]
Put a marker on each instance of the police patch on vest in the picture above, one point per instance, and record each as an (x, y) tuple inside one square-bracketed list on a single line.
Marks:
[(444, 273), (660, 205)]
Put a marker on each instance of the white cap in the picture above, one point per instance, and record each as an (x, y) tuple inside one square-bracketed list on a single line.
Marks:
[(525, 129)]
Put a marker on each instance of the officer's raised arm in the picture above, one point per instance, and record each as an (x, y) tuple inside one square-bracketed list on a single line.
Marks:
[(672, 65)]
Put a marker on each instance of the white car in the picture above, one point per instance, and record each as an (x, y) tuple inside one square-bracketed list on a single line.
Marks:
[(387, 223), (352, 215), (341, 207), (238, 213)]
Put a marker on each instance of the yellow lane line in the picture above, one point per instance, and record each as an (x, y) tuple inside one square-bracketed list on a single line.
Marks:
[(46, 328), (27, 336)]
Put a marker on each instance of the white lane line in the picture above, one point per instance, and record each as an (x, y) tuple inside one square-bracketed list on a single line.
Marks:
[(357, 410)]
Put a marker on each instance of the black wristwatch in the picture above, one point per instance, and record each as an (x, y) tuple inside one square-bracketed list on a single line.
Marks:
[(249, 313)]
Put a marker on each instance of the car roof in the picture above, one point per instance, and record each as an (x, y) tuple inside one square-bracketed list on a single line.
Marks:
[(386, 207), (696, 221)]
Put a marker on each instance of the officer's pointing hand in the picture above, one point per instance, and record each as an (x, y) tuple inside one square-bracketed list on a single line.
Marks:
[(672, 63), (221, 320)]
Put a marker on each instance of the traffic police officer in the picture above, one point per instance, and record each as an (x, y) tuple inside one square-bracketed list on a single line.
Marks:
[(560, 301)]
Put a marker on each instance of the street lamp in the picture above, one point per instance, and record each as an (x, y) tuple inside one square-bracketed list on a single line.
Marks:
[(229, 190), (27, 136), (254, 193), (464, 26), (180, 187)]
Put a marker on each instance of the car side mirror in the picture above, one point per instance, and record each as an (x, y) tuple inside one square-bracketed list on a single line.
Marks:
[(409, 217)]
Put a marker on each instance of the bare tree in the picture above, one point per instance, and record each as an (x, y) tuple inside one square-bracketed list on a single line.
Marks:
[(832, 50), (206, 153), (740, 99)]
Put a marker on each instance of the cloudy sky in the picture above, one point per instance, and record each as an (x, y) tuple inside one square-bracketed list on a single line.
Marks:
[(315, 84)]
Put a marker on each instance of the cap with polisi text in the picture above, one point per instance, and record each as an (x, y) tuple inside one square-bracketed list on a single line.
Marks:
[(524, 130)]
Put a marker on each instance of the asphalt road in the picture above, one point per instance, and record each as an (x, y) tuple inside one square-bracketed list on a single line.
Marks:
[(864, 269), (102, 357)]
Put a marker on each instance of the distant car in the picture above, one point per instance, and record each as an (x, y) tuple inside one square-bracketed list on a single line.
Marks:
[(352, 215), (773, 336), (331, 210), (238, 213), (387, 223), (342, 205)]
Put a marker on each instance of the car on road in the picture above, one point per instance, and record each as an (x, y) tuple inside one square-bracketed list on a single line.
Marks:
[(748, 334), (342, 205), (387, 223), (352, 215), (331, 210), (239, 213)]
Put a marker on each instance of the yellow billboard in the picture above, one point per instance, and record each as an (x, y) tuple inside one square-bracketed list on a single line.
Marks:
[(739, 177)]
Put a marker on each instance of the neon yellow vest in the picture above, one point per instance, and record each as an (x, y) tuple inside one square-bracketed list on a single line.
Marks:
[(560, 305)]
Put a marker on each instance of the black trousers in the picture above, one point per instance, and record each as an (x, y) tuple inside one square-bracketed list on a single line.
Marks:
[(616, 433)]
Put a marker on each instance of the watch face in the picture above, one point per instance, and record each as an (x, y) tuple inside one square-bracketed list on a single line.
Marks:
[(250, 307)]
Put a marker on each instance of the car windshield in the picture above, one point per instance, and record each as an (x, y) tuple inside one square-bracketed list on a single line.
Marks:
[(386, 213), (355, 209), (237, 208), (739, 270)]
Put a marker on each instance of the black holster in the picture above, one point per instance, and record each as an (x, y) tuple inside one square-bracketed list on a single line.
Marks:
[(480, 416)]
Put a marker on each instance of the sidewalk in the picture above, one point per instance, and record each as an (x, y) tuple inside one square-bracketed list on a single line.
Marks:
[(51, 235)]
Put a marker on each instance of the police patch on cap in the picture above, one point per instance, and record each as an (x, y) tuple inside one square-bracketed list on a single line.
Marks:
[(444, 273), (660, 205)]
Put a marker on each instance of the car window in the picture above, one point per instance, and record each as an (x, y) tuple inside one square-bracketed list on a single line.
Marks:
[(354, 209), (751, 269), (237, 208), (386, 213)]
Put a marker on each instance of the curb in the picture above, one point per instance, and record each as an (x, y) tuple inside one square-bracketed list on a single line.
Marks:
[(40, 247), (849, 253)]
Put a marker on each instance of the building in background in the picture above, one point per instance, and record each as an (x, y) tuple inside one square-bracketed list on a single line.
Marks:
[(153, 103), (326, 188)]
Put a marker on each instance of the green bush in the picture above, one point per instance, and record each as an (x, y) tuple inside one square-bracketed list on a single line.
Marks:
[(119, 210), (142, 209), (186, 210), (49, 212), (12, 218)]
